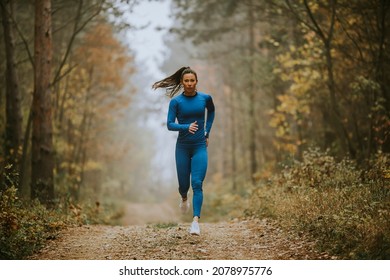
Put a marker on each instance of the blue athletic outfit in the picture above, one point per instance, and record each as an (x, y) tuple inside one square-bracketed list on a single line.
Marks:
[(191, 149)]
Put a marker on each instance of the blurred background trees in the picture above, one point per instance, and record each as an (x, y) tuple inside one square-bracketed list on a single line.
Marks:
[(289, 75), (62, 96), (285, 76), (302, 127)]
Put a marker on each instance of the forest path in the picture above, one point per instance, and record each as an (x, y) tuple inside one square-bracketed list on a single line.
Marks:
[(161, 240)]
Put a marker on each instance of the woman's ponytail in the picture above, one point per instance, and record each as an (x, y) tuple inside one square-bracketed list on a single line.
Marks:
[(172, 84)]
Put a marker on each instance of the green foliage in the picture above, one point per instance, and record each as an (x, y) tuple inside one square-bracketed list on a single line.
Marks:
[(320, 170), (345, 208), (24, 228)]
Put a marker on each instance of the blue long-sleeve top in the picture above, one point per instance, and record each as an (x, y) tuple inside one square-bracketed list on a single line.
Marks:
[(187, 109)]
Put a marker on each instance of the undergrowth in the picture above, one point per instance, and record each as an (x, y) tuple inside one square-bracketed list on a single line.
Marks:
[(345, 208), (25, 226), (223, 203)]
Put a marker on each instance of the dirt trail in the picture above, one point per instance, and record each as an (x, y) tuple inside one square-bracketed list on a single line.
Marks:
[(147, 213), (250, 239)]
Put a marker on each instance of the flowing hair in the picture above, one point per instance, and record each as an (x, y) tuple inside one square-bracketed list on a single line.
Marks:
[(172, 84)]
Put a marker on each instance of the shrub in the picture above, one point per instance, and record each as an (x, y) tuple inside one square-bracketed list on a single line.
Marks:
[(346, 209), (87, 213), (23, 228)]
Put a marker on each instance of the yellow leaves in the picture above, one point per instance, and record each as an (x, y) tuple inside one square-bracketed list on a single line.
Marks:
[(103, 53), (288, 104), (93, 165), (290, 148), (289, 108), (90, 98), (277, 118), (271, 41), (314, 6), (286, 60), (386, 174), (298, 68), (281, 131)]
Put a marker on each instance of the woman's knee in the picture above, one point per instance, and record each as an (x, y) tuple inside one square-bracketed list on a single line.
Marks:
[(197, 185)]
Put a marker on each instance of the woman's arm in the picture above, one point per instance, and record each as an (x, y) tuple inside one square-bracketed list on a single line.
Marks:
[(171, 119), (210, 115)]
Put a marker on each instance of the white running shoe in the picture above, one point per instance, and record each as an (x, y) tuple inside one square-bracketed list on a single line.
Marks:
[(184, 205), (195, 230)]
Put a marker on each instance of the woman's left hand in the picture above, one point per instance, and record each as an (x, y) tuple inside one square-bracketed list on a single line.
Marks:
[(193, 127)]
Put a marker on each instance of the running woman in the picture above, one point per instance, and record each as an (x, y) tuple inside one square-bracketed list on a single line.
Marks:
[(189, 109)]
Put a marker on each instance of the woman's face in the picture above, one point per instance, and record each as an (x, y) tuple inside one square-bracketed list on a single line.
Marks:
[(189, 83)]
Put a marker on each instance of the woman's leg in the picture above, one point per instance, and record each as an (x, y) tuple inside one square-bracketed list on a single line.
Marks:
[(183, 168), (198, 173)]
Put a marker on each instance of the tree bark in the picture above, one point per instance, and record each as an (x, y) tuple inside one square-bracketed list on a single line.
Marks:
[(42, 183), (252, 93), (13, 133), (233, 140), (381, 64)]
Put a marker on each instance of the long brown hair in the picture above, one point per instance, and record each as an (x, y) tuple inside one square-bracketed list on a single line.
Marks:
[(172, 84)]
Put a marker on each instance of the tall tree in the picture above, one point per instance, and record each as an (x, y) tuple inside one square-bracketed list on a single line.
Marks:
[(326, 36), (252, 92), (42, 185), (341, 49), (91, 101), (13, 133)]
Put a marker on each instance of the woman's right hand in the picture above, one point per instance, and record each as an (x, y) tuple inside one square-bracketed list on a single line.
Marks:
[(193, 127)]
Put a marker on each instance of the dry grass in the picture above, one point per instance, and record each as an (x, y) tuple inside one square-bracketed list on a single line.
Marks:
[(346, 209), (25, 226)]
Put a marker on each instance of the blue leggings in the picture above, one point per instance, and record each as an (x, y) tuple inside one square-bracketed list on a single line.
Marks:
[(191, 162)]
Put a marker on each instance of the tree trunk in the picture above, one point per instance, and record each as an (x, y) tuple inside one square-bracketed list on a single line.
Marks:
[(24, 168), (252, 89), (381, 65), (42, 185), (327, 38), (233, 140), (336, 122), (13, 134)]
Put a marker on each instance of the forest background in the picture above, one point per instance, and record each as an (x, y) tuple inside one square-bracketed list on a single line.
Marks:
[(301, 134)]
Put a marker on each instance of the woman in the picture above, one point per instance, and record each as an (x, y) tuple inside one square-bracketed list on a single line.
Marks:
[(188, 108)]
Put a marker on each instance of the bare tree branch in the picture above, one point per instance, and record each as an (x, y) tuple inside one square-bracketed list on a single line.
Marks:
[(20, 35), (317, 28), (76, 30)]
